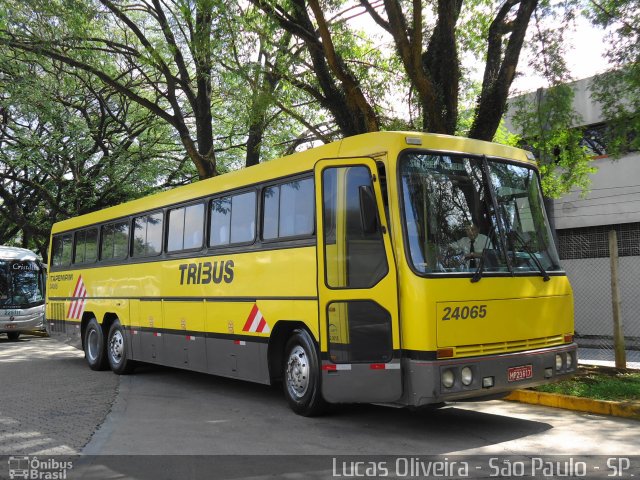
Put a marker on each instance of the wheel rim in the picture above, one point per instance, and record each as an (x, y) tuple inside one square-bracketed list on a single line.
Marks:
[(116, 346), (297, 372), (92, 345)]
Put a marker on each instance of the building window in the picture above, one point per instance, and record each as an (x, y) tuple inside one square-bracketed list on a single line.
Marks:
[(594, 139), (593, 242)]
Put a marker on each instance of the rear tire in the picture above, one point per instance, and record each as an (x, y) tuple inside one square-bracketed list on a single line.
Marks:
[(94, 346), (301, 375), (117, 352), (13, 336)]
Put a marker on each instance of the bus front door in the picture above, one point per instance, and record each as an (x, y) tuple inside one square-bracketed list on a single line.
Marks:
[(357, 286)]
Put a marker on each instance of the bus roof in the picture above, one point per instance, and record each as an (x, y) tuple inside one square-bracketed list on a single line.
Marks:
[(16, 253), (368, 144)]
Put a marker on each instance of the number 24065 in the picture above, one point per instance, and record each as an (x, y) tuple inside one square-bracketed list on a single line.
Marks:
[(462, 313)]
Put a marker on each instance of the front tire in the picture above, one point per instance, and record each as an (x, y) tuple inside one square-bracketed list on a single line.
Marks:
[(117, 352), (301, 375), (94, 347), (13, 336)]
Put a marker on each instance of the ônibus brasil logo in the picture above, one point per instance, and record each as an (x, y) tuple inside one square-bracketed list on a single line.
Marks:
[(33, 468)]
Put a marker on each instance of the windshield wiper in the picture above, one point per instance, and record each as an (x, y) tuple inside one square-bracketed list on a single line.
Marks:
[(524, 245), (477, 275)]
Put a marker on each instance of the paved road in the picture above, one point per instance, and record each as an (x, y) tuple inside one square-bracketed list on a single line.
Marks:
[(210, 415), (50, 402)]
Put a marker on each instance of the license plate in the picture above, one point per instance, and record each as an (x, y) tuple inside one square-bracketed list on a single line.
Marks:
[(522, 372), (10, 326)]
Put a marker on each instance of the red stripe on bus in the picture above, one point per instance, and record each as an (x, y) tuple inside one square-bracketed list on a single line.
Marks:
[(252, 316), (261, 325)]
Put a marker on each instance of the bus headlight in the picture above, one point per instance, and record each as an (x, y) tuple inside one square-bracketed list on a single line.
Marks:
[(569, 361), (559, 362), (466, 376), (448, 378)]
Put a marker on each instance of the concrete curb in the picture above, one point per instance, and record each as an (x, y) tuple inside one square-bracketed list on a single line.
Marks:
[(578, 404)]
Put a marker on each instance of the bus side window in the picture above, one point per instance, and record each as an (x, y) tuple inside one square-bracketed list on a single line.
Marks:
[(186, 225), (271, 201), (289, 210), (243, 217), (61, 250), (86, 248), (114, 240), (233, 219), (147, 235)]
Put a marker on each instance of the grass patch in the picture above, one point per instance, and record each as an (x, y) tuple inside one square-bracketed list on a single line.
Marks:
[(599, 384)]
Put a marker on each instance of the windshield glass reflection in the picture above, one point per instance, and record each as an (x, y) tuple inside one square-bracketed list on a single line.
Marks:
[(20, 284), (459, 215)]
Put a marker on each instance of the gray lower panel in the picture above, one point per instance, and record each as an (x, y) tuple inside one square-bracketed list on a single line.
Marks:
[(423, 384), (68, 333), (361, 383), (219, 356), (244, 360), (238, 359), (185, 351), (151, 345)]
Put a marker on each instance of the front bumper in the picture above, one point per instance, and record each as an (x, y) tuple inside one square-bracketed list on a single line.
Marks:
[(423, 379), (22, 324)]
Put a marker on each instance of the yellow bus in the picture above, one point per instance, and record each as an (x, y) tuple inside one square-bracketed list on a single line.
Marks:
[(393, 267)]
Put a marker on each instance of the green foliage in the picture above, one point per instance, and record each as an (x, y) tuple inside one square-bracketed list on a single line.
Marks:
[(552, 21), (70, 147), (261, 84), (546, 121), (505, 137), (599, 385), (618, 91)]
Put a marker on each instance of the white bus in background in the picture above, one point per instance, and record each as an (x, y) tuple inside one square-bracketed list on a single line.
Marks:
[(22, 283)]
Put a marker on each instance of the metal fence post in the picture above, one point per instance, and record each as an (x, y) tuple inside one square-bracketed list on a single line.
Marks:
[(618, 335)]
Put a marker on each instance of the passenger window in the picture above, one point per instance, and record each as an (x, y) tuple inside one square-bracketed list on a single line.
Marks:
[(220, 222), (186, 225), (86, 249), (288, 210), (115, 238), (147, 235), (61, 250), (233, 219), (270, 214)]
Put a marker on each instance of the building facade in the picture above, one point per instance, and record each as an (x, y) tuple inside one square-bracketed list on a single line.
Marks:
[(583, 223)]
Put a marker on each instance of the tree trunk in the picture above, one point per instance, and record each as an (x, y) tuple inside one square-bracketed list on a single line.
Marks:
[(500, 70), (441, 62)]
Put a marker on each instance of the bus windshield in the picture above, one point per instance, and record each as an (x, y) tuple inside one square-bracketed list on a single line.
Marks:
[(460, 211), (20, 284)]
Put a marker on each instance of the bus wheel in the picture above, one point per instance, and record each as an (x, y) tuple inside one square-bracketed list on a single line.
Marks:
[(301, 375), (13, 336), (94, 346), (117, 354)]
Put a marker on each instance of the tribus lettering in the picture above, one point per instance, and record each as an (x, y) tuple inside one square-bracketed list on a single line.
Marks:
[(203, 273)]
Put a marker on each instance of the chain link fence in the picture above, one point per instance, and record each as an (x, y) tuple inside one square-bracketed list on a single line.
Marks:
[(586, 258)]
